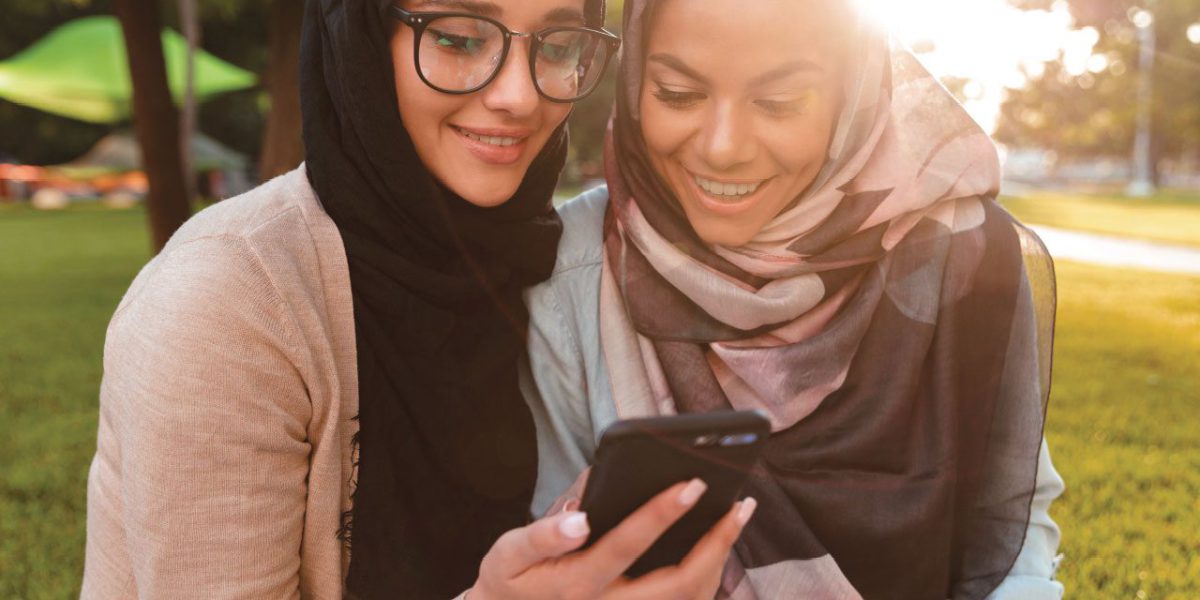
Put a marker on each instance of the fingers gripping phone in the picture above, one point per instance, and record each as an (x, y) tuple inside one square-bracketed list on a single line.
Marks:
[(639, 458)]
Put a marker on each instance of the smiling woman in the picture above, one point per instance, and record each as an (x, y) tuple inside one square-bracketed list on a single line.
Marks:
[(480, 143), (807, 227), (737, 143)]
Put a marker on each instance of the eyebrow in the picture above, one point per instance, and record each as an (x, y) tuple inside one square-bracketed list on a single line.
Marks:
[(563, 14), (556, 16), (675, 64), (483, 9), (783, 71), (799, 66)]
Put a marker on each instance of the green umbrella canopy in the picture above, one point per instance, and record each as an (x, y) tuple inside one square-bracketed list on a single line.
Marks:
[(80, 70)]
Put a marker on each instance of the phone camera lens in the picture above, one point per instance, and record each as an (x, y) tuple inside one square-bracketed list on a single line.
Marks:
[(739, 439)]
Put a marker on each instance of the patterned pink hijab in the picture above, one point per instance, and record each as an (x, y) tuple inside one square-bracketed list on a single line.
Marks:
[(894, 323)]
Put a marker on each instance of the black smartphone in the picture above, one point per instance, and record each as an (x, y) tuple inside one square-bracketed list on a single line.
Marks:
[(638, 458)]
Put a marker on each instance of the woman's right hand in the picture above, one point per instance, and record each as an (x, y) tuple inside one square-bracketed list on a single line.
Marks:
[(533, 562)]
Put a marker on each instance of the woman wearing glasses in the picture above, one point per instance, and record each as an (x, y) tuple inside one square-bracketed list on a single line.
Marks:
[(312, 392), (799, 219)]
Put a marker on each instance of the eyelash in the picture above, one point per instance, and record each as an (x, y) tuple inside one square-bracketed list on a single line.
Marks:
[(677, 99), (777, 108), (682, 100)]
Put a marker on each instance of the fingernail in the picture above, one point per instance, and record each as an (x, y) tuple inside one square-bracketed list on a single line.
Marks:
[(745, 511), (574, 526), (690, 494)]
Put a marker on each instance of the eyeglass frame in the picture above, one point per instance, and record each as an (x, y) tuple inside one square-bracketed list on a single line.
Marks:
[(419, 21)]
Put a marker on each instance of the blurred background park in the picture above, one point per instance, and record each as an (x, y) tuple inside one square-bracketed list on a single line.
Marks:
[(1096, 105)]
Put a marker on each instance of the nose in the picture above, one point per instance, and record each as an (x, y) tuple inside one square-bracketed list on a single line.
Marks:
[(727, 139), (512, 91)]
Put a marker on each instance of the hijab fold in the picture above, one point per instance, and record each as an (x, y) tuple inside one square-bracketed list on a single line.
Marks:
[(445, 452), (894, 323)]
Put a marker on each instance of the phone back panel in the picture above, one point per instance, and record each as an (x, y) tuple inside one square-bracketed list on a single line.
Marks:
[(639, 458)]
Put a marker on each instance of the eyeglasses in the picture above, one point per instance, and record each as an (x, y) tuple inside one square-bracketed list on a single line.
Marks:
[(459, 53)]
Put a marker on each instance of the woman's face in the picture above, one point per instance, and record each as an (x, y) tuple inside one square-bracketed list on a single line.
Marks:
[(738, 104), (480, 145)]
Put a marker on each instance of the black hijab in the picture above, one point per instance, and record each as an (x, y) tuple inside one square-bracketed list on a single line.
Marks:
[(446, 453)]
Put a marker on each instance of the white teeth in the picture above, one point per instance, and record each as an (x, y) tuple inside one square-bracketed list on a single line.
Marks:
[(717, 188), (488, 139)]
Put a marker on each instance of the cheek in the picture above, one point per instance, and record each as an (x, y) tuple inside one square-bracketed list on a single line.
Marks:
[(665, 131), (403, 68), (802, 148), (422, 112), (411, 93), (555, 115), (797, 150)]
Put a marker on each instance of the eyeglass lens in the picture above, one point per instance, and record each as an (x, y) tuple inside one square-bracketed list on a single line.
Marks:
[(458, 54), (563, 65)]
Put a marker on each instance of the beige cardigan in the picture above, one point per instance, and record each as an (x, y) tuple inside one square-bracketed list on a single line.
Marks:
[(222, 465)]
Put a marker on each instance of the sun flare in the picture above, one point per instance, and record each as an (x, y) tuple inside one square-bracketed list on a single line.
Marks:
[(988, 42)]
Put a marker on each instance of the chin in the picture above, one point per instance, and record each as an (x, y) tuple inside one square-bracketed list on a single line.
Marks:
[(719, 230), (486, 194), (723, 235), (488, 200)]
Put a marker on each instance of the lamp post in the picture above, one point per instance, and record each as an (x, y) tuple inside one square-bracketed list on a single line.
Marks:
[(1142, 184)]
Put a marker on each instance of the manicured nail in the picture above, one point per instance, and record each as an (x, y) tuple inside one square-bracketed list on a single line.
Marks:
[(690, 494), (574, 526), (745, 511)]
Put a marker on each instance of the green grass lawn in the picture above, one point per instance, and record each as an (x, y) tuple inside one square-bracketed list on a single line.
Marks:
[(1167, 217), (1124, 422), (1124, 430), (61, 276)]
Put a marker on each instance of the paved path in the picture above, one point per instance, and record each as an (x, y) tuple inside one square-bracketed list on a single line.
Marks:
[(1119, 252)]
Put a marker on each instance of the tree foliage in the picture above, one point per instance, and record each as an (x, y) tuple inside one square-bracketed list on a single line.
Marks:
[(1095, 112), (236, 31)]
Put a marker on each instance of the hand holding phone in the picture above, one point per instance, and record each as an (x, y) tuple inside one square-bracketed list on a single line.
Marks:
[(538, 561)]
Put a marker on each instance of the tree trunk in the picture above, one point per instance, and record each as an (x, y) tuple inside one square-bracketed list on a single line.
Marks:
[(187, 127), (283, 147), (156, 121)]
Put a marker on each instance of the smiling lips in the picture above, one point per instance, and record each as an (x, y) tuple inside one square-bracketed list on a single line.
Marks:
[(732, 191), (726, 197), (494, 146), (494, 140)]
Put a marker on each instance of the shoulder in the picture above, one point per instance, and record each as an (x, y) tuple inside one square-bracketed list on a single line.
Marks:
[(571, 294), (575, 282), (278, 212), (257, 248), (1013, 246), (978, 229), (582, 242), (1025, 240)]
